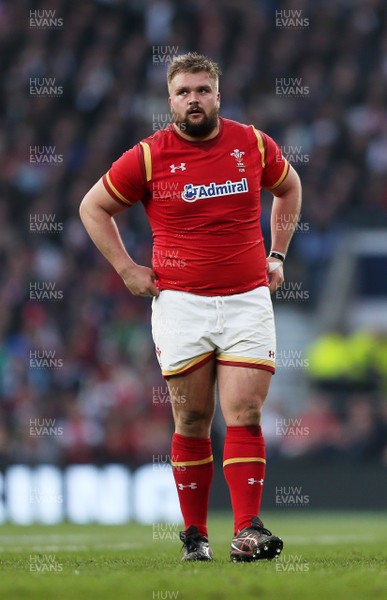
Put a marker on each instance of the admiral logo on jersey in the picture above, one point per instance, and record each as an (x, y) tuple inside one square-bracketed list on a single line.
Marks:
[(192, 192)]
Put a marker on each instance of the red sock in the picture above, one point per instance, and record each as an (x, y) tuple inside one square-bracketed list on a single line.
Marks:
[(193, 469), (244, 464)]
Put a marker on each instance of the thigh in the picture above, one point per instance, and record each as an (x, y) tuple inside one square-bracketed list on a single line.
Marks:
[(193, 394), (242, 391)]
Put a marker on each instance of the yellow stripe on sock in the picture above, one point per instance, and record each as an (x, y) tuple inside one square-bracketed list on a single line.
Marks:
[(243, 459), (193, 463)]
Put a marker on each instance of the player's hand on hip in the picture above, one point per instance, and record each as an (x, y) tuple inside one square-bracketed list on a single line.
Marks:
[(140, 281), (275, 271)]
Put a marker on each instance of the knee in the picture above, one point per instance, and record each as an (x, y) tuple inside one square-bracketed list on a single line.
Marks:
[(192, 417), (252, 414), (193, 423), (246, 414)]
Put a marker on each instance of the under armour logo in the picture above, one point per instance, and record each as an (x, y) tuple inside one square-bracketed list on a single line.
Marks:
[(175, 167), (251, 481), (193, 486), (271, 354)]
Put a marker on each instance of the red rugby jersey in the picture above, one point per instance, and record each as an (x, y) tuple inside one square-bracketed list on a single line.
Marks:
[(203, 204)]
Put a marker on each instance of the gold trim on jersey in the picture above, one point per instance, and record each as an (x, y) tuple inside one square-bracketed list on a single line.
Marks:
[(243, 459), (147, 160), (193, 463), (280, 180), (114, 189), (261, 147)]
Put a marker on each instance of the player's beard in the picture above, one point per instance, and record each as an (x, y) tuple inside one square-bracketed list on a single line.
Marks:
[(198, 130)]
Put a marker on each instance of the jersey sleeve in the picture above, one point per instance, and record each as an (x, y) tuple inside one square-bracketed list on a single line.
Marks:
[(275, 166), (126, 181)]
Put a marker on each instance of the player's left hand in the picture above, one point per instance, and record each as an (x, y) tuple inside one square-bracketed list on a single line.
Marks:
[(275, 271)]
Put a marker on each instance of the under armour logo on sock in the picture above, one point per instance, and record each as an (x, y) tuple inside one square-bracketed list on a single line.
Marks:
[(251, 481), (193, 486)]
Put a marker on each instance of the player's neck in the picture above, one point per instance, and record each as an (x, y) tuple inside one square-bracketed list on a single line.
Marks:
[(189, 138)]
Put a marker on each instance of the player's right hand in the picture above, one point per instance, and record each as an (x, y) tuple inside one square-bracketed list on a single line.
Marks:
[(140, 281)]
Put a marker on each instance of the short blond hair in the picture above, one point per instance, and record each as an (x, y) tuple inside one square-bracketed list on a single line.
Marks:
[(192, 62)]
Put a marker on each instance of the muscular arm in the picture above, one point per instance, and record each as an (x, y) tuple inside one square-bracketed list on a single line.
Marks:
[(284, 216), (97, 212)]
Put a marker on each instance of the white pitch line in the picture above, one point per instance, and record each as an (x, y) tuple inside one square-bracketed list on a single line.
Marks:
[(56, 538), (69, 547)]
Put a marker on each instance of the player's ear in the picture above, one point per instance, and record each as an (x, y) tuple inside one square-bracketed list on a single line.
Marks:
[(218, 98)]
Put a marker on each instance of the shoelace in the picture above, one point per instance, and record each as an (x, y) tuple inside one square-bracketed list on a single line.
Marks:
[(256, 525), (191, 540)]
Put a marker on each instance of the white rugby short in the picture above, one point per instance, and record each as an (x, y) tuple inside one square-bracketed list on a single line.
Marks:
[(237, 330)]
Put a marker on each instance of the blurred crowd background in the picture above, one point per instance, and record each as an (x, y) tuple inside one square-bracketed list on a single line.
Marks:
[(104, 65)]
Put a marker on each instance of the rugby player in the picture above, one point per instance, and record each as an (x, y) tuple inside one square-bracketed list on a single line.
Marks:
[(199, 180)]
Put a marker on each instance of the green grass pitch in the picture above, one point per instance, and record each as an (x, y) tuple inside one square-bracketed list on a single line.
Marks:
[(326, 556)]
